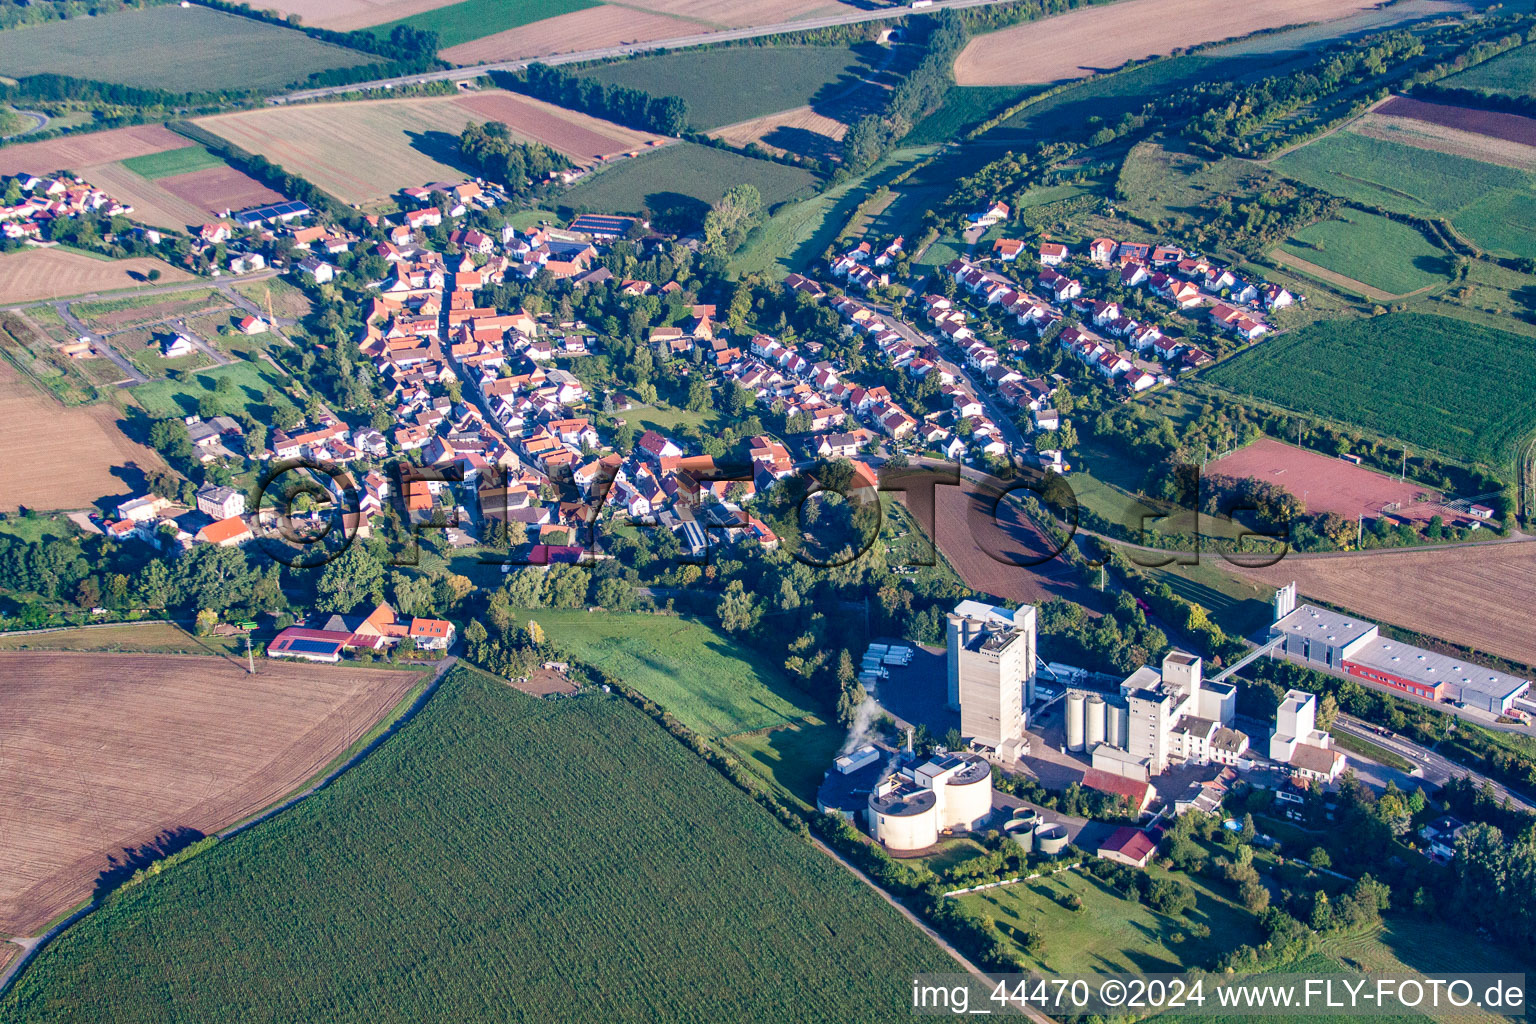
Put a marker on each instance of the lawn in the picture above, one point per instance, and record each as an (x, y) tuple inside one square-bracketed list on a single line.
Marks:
[(1236, 605), (1508, 74), (793, 757), (179, 49), (763, 79), (1454, 387), (1110, 934), (711, 683), (173, 161), (145, 637), (474, 19), (1487, 203), (500, 858), (681, 181), (161, 398), (1386, 254)]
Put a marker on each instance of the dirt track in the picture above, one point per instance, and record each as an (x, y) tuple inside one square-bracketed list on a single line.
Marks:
[(100, 753), (1091, 39)]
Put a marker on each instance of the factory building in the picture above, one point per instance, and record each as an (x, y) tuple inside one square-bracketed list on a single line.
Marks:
[(992, 665), (1333, 641), (1158, 718), (909, 808), (1298, 742)]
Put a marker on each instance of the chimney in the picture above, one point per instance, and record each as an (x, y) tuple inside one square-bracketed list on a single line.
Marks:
[(909, 739)]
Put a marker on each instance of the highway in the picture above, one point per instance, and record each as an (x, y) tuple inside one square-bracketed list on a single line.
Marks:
[(472, 71)]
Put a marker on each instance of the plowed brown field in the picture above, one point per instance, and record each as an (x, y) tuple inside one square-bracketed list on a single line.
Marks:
[(214, 190), (801, 131), (76, 151), (1092, 39), (102, 753), (57, 273), (1477, 596)]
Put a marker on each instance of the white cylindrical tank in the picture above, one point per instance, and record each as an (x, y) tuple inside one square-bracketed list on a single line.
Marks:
[(1075, 702), (968, 796), (1119, 725), (912, 824), (1095, 719)]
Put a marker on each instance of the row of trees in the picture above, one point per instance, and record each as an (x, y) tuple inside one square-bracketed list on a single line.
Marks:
[(665, 115), (919, 92), (493, 151)]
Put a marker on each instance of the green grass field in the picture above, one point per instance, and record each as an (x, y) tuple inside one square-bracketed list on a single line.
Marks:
[(1385, 254), (1451, 386), (794, 757), (173, 161), (711, 683), (781, 77), (500, 858), (965, 107), (1111, 934), (1508, 74), (1487, 203), (1238, 606), (682, 181), (475, 19), (178, 49), (161, 398)]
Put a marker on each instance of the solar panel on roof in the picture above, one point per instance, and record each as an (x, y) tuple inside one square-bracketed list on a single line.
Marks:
[(313, 646)]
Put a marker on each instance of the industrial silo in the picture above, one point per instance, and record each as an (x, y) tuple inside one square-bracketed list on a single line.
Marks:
[(1051, 839), (1075, 702), (1095, 721), (1025, 837), (903, 817), (1119, 732), (967, 799)]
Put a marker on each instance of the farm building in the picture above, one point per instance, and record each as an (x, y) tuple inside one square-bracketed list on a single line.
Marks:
[(308, 644), (1320, 638), (1129, 846)]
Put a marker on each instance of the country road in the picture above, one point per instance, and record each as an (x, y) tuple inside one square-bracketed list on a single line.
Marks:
[(1435, 768), (473, 71)]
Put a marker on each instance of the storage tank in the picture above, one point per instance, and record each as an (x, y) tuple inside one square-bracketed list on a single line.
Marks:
[(1051, 839), (1025, 837), (968, 796), (1119, 732), (904, 817), (1075, 703), (1094, 721)]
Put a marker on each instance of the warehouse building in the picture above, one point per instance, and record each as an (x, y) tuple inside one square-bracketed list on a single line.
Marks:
[(1334, 641)]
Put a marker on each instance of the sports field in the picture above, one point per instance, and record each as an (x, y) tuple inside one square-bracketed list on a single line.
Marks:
[(1508, 74), (1456, 388), (1385, 254), (105, 753), (711, 683), (468, 20), (684, 180), (178, 49), (1487, 203), (1327, 484), (781, 77), (365, 151), (500, 858)]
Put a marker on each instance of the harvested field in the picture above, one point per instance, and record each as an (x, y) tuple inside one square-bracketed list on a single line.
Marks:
[(102, 756), (1437, 137), (1493, 123), (365, 151), (57, 273), (801, 131), (217, 189), (590, 29), (346, 15), (544, 681), (1093, 39), (152, 204), (129, 638), (1330, 484), (76, 151), (35, 431), (738, 13), (985, 542), (1459, 594)]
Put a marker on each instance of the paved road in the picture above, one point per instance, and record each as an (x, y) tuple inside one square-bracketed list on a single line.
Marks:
[(134, 374), (625, 50), (1435, 768), (39, 122)]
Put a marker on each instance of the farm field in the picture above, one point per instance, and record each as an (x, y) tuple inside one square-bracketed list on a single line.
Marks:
[(1380, 253), (1460, 594), (178, 49), (132, 638), (1508, 74), (800, 132), (1494, 123), (1496, 138), (151, 203), (1328, 484), (53, 273), (347, 15), (1376, 19), (591, 28), (468, 20), (1454, 387), (365, 151), (738, 13), (659, 876), (216, 189), (1092, 39), (1111, 934), (76, 151), (1483, 201), (173, 161), (794, 757), (711, 683), (781, 77), (965, 107), (108, 753), (682, 181)]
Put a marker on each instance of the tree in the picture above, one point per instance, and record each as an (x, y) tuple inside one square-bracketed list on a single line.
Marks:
[(737, 609), (207, 618), (1327, 711), (350, 579), (1319, 858), (1249, 832), (615, 595), (699, 399), (154, 274), (727, 222)]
